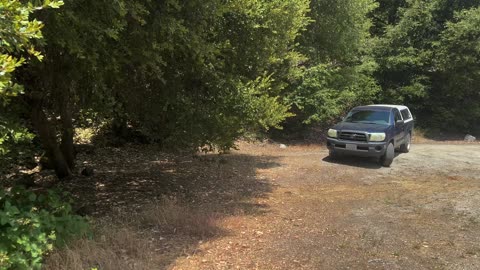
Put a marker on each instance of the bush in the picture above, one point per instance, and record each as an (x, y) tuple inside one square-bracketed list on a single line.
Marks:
[(16, 148), (327, 91), (32, 224)]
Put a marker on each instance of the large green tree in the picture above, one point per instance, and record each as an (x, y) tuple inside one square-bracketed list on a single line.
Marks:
[(456, 100), (18, 39), (224, 65), (414, 52), (78, 60), (187, 74), (338, 67)]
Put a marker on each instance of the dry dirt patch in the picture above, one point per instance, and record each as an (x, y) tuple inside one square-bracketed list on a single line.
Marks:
[(272, 208), (353, 214)]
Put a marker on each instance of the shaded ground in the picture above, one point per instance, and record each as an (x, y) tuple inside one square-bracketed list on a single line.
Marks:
[(134, 176), (189, 196), (296, 209)]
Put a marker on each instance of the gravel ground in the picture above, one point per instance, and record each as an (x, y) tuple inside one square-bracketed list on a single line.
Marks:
[(422, 213)]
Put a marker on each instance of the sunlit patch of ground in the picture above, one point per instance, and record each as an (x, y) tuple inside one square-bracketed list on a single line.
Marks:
[(264, 207)]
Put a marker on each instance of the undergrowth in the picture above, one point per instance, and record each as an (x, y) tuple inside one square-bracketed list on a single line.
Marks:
[(32, 224)]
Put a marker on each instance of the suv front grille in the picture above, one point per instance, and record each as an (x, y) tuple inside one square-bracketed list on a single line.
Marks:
[(353, 136)]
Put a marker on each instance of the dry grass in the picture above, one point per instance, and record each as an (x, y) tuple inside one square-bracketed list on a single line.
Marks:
[(419, 136), (128, 241), (439, 137), (112, 249), (176, 217)]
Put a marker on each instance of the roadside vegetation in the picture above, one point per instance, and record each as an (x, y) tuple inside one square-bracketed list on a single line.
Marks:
[(196, 76)]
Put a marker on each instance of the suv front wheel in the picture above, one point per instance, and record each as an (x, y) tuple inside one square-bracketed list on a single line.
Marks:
[(387, 158), (332, 154)]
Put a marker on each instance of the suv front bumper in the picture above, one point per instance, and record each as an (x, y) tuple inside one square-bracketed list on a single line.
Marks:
[(364, 149)]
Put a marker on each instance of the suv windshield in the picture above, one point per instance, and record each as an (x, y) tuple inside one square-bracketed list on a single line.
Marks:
[(368, 117)]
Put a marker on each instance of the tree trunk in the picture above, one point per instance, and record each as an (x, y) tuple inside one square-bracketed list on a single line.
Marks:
[(67, 134), (119, 127), (48, 138)]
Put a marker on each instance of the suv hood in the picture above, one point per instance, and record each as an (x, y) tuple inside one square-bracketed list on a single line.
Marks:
[(361, 127)]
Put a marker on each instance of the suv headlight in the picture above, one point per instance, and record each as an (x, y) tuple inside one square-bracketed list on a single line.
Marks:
[(377, 137), (332, 133)]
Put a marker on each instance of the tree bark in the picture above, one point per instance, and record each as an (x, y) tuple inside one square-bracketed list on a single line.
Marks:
[(67, 133), (119, 127), (48, 138)]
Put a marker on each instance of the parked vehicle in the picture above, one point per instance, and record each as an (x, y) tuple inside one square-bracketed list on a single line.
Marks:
[(373, 131)]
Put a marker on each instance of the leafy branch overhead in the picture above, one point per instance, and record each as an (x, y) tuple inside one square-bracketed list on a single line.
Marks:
[(16, 39)]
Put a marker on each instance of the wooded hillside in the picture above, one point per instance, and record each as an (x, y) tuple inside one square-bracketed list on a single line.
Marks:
[(199, 75)]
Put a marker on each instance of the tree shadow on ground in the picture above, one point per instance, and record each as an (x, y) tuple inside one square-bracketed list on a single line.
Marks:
[(133, 178)]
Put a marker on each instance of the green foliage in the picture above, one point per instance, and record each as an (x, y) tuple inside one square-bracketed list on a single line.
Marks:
[(263, 111), (189, 74), (17, 47), (327, 92), (217, 72), (16, 37), (427, 57), (387, 13), (404, 47), (31, 225), (16, 148), (338, 72), (11, 133), (339, 31), (15, 143), (194, 79), (204, 73), (458, 63)]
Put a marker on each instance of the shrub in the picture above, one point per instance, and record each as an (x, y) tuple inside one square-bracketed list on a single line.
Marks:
[(32, 224), (16, 148)]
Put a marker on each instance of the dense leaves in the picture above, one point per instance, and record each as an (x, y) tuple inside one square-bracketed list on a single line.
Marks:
[(31, 225), (185, 74), (199, 74), (223, 67), (426, 55), (457, 98), (338, 69), (17, 47), (16, 37)]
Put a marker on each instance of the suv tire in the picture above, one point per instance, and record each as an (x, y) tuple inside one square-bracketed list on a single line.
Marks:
[(387, 158), (405, 148), (332, 154)]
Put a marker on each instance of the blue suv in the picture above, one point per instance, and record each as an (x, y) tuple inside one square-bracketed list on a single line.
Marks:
[(373, 131)]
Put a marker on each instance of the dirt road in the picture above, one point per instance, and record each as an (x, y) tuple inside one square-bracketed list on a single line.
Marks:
[(422, 213), (264, 207)]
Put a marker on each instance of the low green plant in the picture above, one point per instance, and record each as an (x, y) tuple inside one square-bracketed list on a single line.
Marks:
[(32, 224), (16, 146)]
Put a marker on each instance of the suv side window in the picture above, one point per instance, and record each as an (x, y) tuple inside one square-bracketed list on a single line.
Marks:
[(406, 114), (398, 116)]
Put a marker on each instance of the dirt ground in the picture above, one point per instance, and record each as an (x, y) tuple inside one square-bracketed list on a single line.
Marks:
[(295, 208)]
